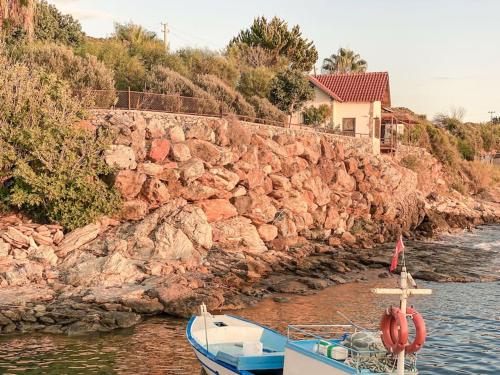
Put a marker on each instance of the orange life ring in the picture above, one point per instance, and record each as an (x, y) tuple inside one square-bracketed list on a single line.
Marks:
[(394, 329), (420, 331)]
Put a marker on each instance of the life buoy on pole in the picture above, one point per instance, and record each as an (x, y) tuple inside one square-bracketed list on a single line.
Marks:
[(420, 331), (394, 328)]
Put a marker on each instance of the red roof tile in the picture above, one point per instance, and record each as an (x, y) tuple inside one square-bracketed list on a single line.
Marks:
[(355, 87)]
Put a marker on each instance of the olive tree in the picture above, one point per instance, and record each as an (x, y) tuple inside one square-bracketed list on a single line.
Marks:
[(290, 90)]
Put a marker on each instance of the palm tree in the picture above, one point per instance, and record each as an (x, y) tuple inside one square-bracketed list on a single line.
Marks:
[(133, 33), (345, 61)]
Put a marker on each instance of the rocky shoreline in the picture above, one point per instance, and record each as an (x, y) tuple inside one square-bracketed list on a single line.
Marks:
[(226, 284), (225, 213)]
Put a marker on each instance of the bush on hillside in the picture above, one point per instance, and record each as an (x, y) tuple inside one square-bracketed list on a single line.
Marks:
[(53, 26), (202, 62), (234, 101), (165, 81), (246, 56), (141, 43), (49, 167), (442, 146), (256, 81), (129, 71), (265, 110), (82, 73), (482, 175), (317, 115), (290, 90), (411, 162)]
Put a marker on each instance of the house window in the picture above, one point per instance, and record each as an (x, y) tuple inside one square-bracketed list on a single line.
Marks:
[(349, 126)]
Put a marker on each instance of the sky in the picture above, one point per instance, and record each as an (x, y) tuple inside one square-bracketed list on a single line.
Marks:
[(439, 54)]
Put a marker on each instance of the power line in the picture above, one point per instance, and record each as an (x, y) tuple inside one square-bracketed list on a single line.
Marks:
[(193, 37)]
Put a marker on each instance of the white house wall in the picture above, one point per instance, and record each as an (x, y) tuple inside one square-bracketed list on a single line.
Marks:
[(320, 98), (364, 113)]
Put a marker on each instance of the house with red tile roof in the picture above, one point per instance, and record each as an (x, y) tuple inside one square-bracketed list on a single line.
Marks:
[(355, 101)]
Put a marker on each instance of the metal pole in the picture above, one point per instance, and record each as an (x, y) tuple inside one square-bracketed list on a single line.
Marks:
[(404, 288), (129, 97), (165, 36)]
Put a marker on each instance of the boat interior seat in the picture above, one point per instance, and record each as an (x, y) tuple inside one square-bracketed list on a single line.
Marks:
[(265, 361)]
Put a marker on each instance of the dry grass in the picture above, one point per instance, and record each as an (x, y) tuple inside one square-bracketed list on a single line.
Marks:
[(483, 176)]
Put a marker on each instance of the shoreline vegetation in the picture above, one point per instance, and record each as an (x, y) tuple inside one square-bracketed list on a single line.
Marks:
[(106, 216)]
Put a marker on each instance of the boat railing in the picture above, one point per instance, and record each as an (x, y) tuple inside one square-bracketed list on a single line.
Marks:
[(378, 361)]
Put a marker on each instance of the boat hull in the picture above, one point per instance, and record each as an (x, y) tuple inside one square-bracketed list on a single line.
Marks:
[(213, 368)]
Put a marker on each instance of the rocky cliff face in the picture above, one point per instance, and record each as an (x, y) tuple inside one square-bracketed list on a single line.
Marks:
[(212, 208)]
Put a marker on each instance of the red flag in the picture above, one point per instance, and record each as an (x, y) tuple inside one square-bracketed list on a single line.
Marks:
[(399, 247)]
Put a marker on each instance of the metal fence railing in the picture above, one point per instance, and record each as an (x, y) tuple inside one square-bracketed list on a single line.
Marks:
[(149, 101)]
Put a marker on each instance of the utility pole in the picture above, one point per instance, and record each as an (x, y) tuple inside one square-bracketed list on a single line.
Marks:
[(165, 36)]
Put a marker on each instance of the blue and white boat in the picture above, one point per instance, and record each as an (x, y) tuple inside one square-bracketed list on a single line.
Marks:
[(228, 345)]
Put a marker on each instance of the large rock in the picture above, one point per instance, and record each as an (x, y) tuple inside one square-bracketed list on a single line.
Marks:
[(191, 170), (155, 192), (129, 183), (259, 208), (267, 232), (4, 249), (204, 150), (285, 224), (344, 180), (44, 254), (193, 222), (134, 210), (77, 238), (176, 134), (217, 209), (200, 131), (238, 234), (121, 157), (332, 219), (220, 178), (172, 244), (280, 182), (111, 270), (181, 152), (159, 150), (151, 169)]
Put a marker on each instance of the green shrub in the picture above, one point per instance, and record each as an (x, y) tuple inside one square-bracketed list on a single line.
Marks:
[(50, 168), (442, 146), (201, 62), (53, 26), (165, 81), (466, 149), (265, 110), (411, 162), (256, 81), (290, 90), (234, 101), (317, 115), (129, 71), (82, 73)]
